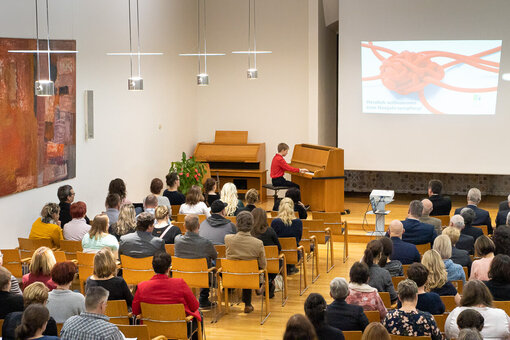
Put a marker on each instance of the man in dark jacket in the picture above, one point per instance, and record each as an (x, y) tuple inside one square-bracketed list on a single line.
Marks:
[(340, 314), (417, 232), (441, 204), (482, 217), (469, 216), (215, 227), (465, 242)]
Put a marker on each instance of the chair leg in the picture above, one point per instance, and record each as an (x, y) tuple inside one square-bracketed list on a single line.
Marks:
[(285, 289), (266, 287), (199, 330), (346, 242), (303, 271), (315, 259), (227, 307), (330, 251)]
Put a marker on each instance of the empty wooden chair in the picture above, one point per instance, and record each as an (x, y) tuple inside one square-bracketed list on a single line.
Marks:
[(139, 332), (70, 248), (175, 212), (309, 243), (60, 256), (504, 305), (385, 297), (117, 311), (333, 221), (352, 335), (445, 219), (170, 249), (449, 302), (180, 218), (27, 246), (440, 321), (373, 315), (296, 256), (169, 321), (273, 267), (85, 268), (422, 248), (322, 235), (135, 270), (12, 262)]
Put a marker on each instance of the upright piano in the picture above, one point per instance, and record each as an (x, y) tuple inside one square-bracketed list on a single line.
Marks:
[(232, 159), (323, 186)]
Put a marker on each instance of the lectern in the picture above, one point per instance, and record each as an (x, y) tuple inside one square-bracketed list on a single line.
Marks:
[(378, 201)]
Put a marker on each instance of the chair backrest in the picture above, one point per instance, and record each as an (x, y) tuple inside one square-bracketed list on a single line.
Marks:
[(12, 262), (316, 228), (274, 214), (59, 327), (180, 218), (333, 220), (445, 219), (396, 280), (60, 256), (306, 242), (193, 271), (289, 249), (240, 274), (405, 267), (484, 228), (181, 226), (440, 321), (449, 302), (166, 320), (175, 211), (270, 220), (85, 267), (422, 248), (352, 335), (139, 332), (135, 270), (117, 311), (385, 297), (373, 315), (70, 248), (221, 249), (466, 272), (27, 246), (232, 219), (402, 337), (504, 305), (459, 285), (170, 249), (272, 259)]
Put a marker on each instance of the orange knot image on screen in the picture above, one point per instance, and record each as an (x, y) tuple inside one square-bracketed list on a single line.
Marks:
[(410, 72)]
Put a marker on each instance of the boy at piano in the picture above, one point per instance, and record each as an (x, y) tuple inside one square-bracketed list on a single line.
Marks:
[(279, 166)]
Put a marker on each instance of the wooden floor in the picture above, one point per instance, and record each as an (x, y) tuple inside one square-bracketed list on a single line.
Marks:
[(239, 325)]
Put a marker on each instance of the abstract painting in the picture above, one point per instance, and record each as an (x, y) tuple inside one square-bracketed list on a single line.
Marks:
[(37, 134)]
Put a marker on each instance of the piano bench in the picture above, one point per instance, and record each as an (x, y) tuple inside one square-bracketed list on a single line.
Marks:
[(275, 189)]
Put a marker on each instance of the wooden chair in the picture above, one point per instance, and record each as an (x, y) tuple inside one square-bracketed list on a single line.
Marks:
[(422, 248), (309, 243), (175, 212), (70, 248), (270, 220), (169, 321), (405, 267), (445, 219), (170, 249), (60, 256), (118, 313), (222, 254), (373, 315), (333, 221), (1, 325), (402, 337), (273, 267), (180, 218), (352, 335), (59, 327), (440, 321), (28, 246), (85, 268), (136, 270), (245, 275), (396, 280), (322, 235), (466, 272), (385, 297), (12, 262), (459, 285), (275, 214), (181, 226), (504, 305), (449, 302), (291, 251), (484, 229), (139, 332)]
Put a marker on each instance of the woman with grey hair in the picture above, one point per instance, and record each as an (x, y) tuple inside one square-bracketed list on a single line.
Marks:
[(339, 313)]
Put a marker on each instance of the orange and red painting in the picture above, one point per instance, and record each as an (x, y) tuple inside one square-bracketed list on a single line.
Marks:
[(37, 134)]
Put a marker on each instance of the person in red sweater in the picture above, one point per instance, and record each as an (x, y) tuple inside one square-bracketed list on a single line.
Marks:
[(279, 166)]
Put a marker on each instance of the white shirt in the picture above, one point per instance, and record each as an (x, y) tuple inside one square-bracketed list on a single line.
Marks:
[(75, 229), (199, 209), (495, 326)]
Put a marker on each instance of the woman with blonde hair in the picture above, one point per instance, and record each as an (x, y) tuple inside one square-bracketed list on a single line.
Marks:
[(48, 226), (437, 281), (229, 196), (126, 222), (443, 245), (163, 228), (42, 262), (98, 237), (195, 203), (105, 275)]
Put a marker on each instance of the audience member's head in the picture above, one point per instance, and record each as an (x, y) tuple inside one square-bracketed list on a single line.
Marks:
[(194, 195), (286, 211), (150, 202), (218, 207), (33, 322), (78, 210), (63, 273), (209, 185), (36, 292), (437, 270), (104, 264), (282, 147), (407, 291), (427, 207), (156, 186), (42, 262), (117, 186), (99, 226), (453, 233), (457, 221), (418, 273), (443, 246), (484, 246), (415, 209), (244, 221), (65, 194), (435, 187), (396, 229), (252, 196), (294, 194), (468, 215), (499, 270), (50, 213), (259, 222), (474, 196), (470, 318), (192, 223), (161, 262), (5, 279), (144, 222), (359, 273), (172, 180), (162, 213), (127, 220), (96, 300), (112, 201), (476, 293), (469, 334), (339, 288), (387, 251), (372, 252), (315, 309), (375, 331), (299, 328), (508, 219), (228, 195), (501, 239)]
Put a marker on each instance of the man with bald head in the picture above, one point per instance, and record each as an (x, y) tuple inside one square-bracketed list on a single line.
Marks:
[(402, 251), (425, 217)]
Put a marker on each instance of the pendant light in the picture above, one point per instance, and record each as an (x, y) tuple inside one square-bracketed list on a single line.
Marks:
[(252, 52), (202, 76)]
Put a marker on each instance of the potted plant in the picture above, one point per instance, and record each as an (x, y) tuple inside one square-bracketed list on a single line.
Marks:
[(190, 172)]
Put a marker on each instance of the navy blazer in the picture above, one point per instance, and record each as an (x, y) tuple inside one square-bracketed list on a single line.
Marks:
[(501, 218), (441, 205), (472, 231), (417, 232), (405, 252), (461, 256), (467, 243), (346, 317), (482, 216)]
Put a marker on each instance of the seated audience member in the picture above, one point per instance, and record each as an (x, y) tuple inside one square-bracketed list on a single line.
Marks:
[(62, 301), (299, 328), (92, 323), (482, 217), (379, 278), (469, 334), (417, 232), (279, 166), (162, 228), (465, 242), (65, 195), (14, 281), (441, 205), (375, 331), (40, 268), (112, 204), (33, 323), (150, 203), (126, 222), (117, 186), (229, 195), (477, 296), (443, 246), (172, 191), (98, 237), (216, 226), (501, 240), (156, 188), (9, 302), (48, 226), (141, 243), (499, 278), (295, 195), (77, 227), (360, 293), (195, 203), (315, 310), (459, 256), (484, 248), (404, 252), (394, 267), (427, 301), (340, 314), (470, 318), (425, 216), (105, 275), (252, 197), (502, 217), (468, 215), (193, 246), (408, 320), (210, 193), (243, 246), (437, 281)]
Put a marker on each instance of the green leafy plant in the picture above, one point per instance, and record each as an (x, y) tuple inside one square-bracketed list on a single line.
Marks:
[(190, 172)]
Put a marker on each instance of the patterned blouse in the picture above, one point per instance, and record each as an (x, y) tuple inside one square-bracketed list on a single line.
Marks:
[(413, 323), (366, 297)]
